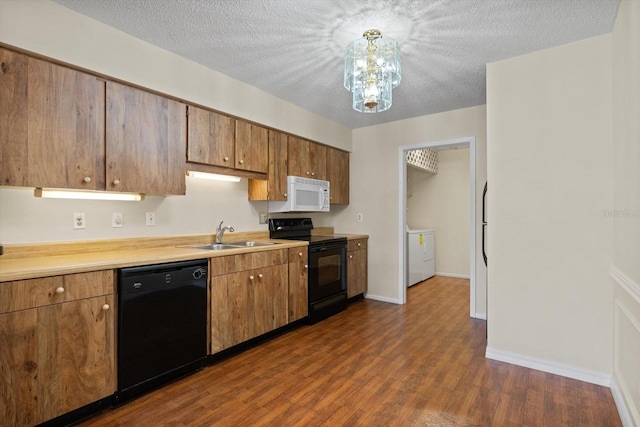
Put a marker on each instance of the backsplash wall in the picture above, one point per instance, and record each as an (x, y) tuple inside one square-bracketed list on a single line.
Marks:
[(28, 219)]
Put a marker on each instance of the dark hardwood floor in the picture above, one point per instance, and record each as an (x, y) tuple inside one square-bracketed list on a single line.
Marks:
[(376, 364)]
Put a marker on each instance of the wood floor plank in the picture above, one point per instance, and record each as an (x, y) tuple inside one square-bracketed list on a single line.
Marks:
[(375, 364)]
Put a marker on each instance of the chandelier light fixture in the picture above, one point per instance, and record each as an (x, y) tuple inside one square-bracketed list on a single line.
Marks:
[(371, 71)]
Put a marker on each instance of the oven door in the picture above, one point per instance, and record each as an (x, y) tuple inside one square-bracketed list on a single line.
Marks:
[(327, 271)]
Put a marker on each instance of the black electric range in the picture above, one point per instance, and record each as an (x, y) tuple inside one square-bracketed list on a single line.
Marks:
[(327, 284)]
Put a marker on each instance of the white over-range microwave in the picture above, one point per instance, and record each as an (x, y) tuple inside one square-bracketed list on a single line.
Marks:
[(303, 195)]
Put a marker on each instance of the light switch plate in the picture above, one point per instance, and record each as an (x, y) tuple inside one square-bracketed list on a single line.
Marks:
[(151, 218), (116, 220)]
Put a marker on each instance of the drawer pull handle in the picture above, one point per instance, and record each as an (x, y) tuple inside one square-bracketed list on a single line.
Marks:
[(359, 244), (350, 256), (299, 253), (250, 277), (260, 275), (105, 307), (116, 182), (306, 266), (87, 179), (241, 162), (285, 194), (60, 290), (226, 159)]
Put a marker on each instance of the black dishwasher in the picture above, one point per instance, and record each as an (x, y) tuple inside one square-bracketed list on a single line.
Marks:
[(162, 320)]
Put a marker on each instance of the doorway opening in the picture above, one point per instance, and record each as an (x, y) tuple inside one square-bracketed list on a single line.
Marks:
[(470, 143)]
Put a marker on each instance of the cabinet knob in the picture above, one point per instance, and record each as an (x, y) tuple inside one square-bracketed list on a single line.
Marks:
[(350, 256), (299, 253), (226, 159), (241, 161), (285, 194), (87, 179), (251, 277), (306, 266), (60, 290), (260, 275), (308, 173), (116, 182), (105, 307), (359, 244), (313, 174)]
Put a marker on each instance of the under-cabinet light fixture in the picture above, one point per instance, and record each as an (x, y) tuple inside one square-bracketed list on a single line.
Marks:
[(47, 193), (213, 176)]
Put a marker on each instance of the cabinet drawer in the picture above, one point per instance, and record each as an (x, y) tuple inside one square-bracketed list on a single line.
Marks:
[(24, 294), (233, 263), (354, 245)]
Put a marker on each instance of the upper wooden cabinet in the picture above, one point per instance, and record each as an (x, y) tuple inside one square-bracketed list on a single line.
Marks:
[(338, 175), (51, 125), (211, 138), (145, 140), (275, 186), (306, 158), (252, 142)]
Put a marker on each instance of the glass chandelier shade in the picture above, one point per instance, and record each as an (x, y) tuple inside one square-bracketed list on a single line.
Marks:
[(371, 71)]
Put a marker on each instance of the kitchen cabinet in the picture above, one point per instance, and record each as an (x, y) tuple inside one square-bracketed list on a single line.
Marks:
[(211, 138), (338, 175), (51, 125), (249, 299), (298, 283), (356, 267), (275, 186), (252, 147), (58, 338), (145, 140), (306, 158)]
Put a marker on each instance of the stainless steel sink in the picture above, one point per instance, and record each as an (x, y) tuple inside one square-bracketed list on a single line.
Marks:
[(215, 247), (232, 245)]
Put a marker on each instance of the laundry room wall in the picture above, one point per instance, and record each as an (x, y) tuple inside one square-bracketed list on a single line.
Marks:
[(441, 202)]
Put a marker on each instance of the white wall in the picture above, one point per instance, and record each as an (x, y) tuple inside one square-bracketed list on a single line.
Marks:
[(625, 214), (441, 201), (46, 28), (374, 188), (549, 244)]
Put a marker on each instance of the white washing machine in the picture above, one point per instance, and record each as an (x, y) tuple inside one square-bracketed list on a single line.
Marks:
[(421, 262)]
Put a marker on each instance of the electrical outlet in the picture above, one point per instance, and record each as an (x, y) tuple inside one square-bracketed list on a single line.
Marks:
[(264, 218), (359, 217), (78, 221), (116, 220), (151, 218)]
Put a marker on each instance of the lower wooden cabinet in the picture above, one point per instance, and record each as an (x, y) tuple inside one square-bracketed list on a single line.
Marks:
[(58, 350), (298, 283), (356, 267), (250, 300)]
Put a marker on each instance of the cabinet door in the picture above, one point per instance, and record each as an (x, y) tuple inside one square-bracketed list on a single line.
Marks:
[(356, 272), (338, 175), (229, 310), (211, 138), (318, 161), (298, 157), (252, 147), (275, 187), (146, 142), (268, 299), (76, 353), (19, 368), (51, 125), (298, 283)]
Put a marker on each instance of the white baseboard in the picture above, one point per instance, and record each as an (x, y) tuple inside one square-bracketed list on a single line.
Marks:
[(549, 366), (481, 316), (383, 299), (621, 405), (456, 276)]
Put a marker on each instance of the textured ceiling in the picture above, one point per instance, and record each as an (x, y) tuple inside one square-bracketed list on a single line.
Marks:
[(294, 49)]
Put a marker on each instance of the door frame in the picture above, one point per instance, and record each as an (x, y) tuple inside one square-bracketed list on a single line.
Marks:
[(465, 142)]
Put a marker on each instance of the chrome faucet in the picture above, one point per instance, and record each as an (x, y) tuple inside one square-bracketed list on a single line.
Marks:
[(220, 231)]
